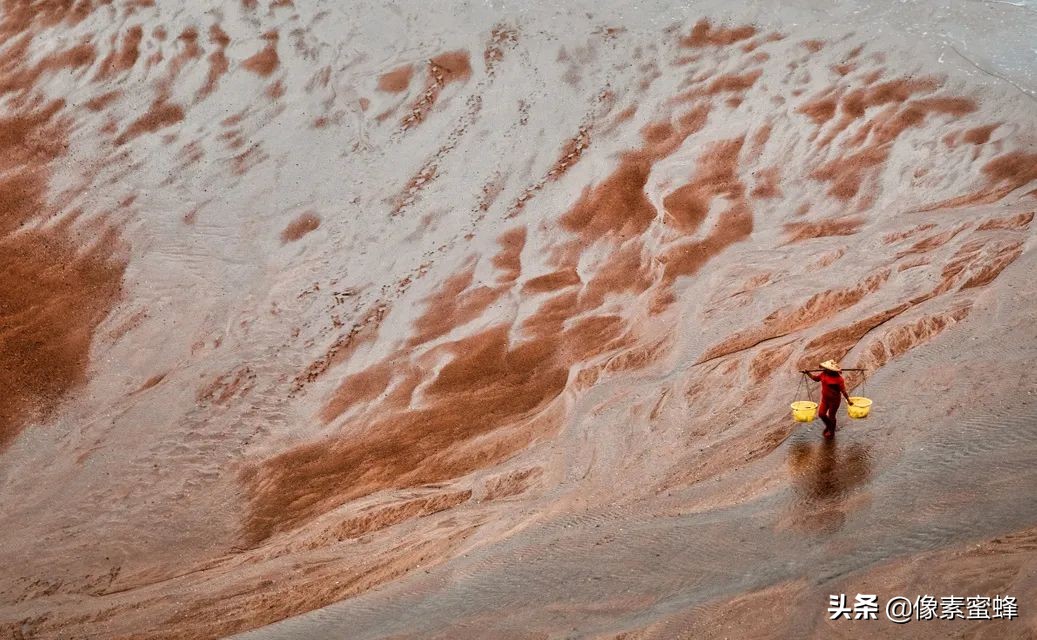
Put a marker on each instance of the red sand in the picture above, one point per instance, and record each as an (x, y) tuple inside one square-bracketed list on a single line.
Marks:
[(703, 34), (397, 80), (443, 69), (123, 60), (57, 283), (304, 223), (502, 38), (160, 115), (266, 60), (218, 63)]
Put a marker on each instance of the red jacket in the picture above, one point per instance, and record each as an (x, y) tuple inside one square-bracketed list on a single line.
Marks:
[(832, 385)]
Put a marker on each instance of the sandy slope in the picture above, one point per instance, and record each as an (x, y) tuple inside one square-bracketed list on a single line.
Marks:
[(301, 300), (756, 551)]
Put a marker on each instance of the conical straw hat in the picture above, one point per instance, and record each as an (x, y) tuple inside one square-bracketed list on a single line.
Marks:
[(831, 365)]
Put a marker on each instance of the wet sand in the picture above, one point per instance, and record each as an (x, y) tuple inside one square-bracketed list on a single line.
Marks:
[(916, 499), (484, 323)]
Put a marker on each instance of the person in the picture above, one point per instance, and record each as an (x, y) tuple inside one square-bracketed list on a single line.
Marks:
[(833, 389)]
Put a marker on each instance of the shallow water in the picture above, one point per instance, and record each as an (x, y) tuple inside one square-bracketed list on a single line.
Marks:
[(838, 515), (901, 482)]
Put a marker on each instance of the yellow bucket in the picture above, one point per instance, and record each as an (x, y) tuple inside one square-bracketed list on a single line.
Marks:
[(805, 411), (859, 408)]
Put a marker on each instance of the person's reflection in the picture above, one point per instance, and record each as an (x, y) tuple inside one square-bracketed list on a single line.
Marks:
[(822, 474)]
